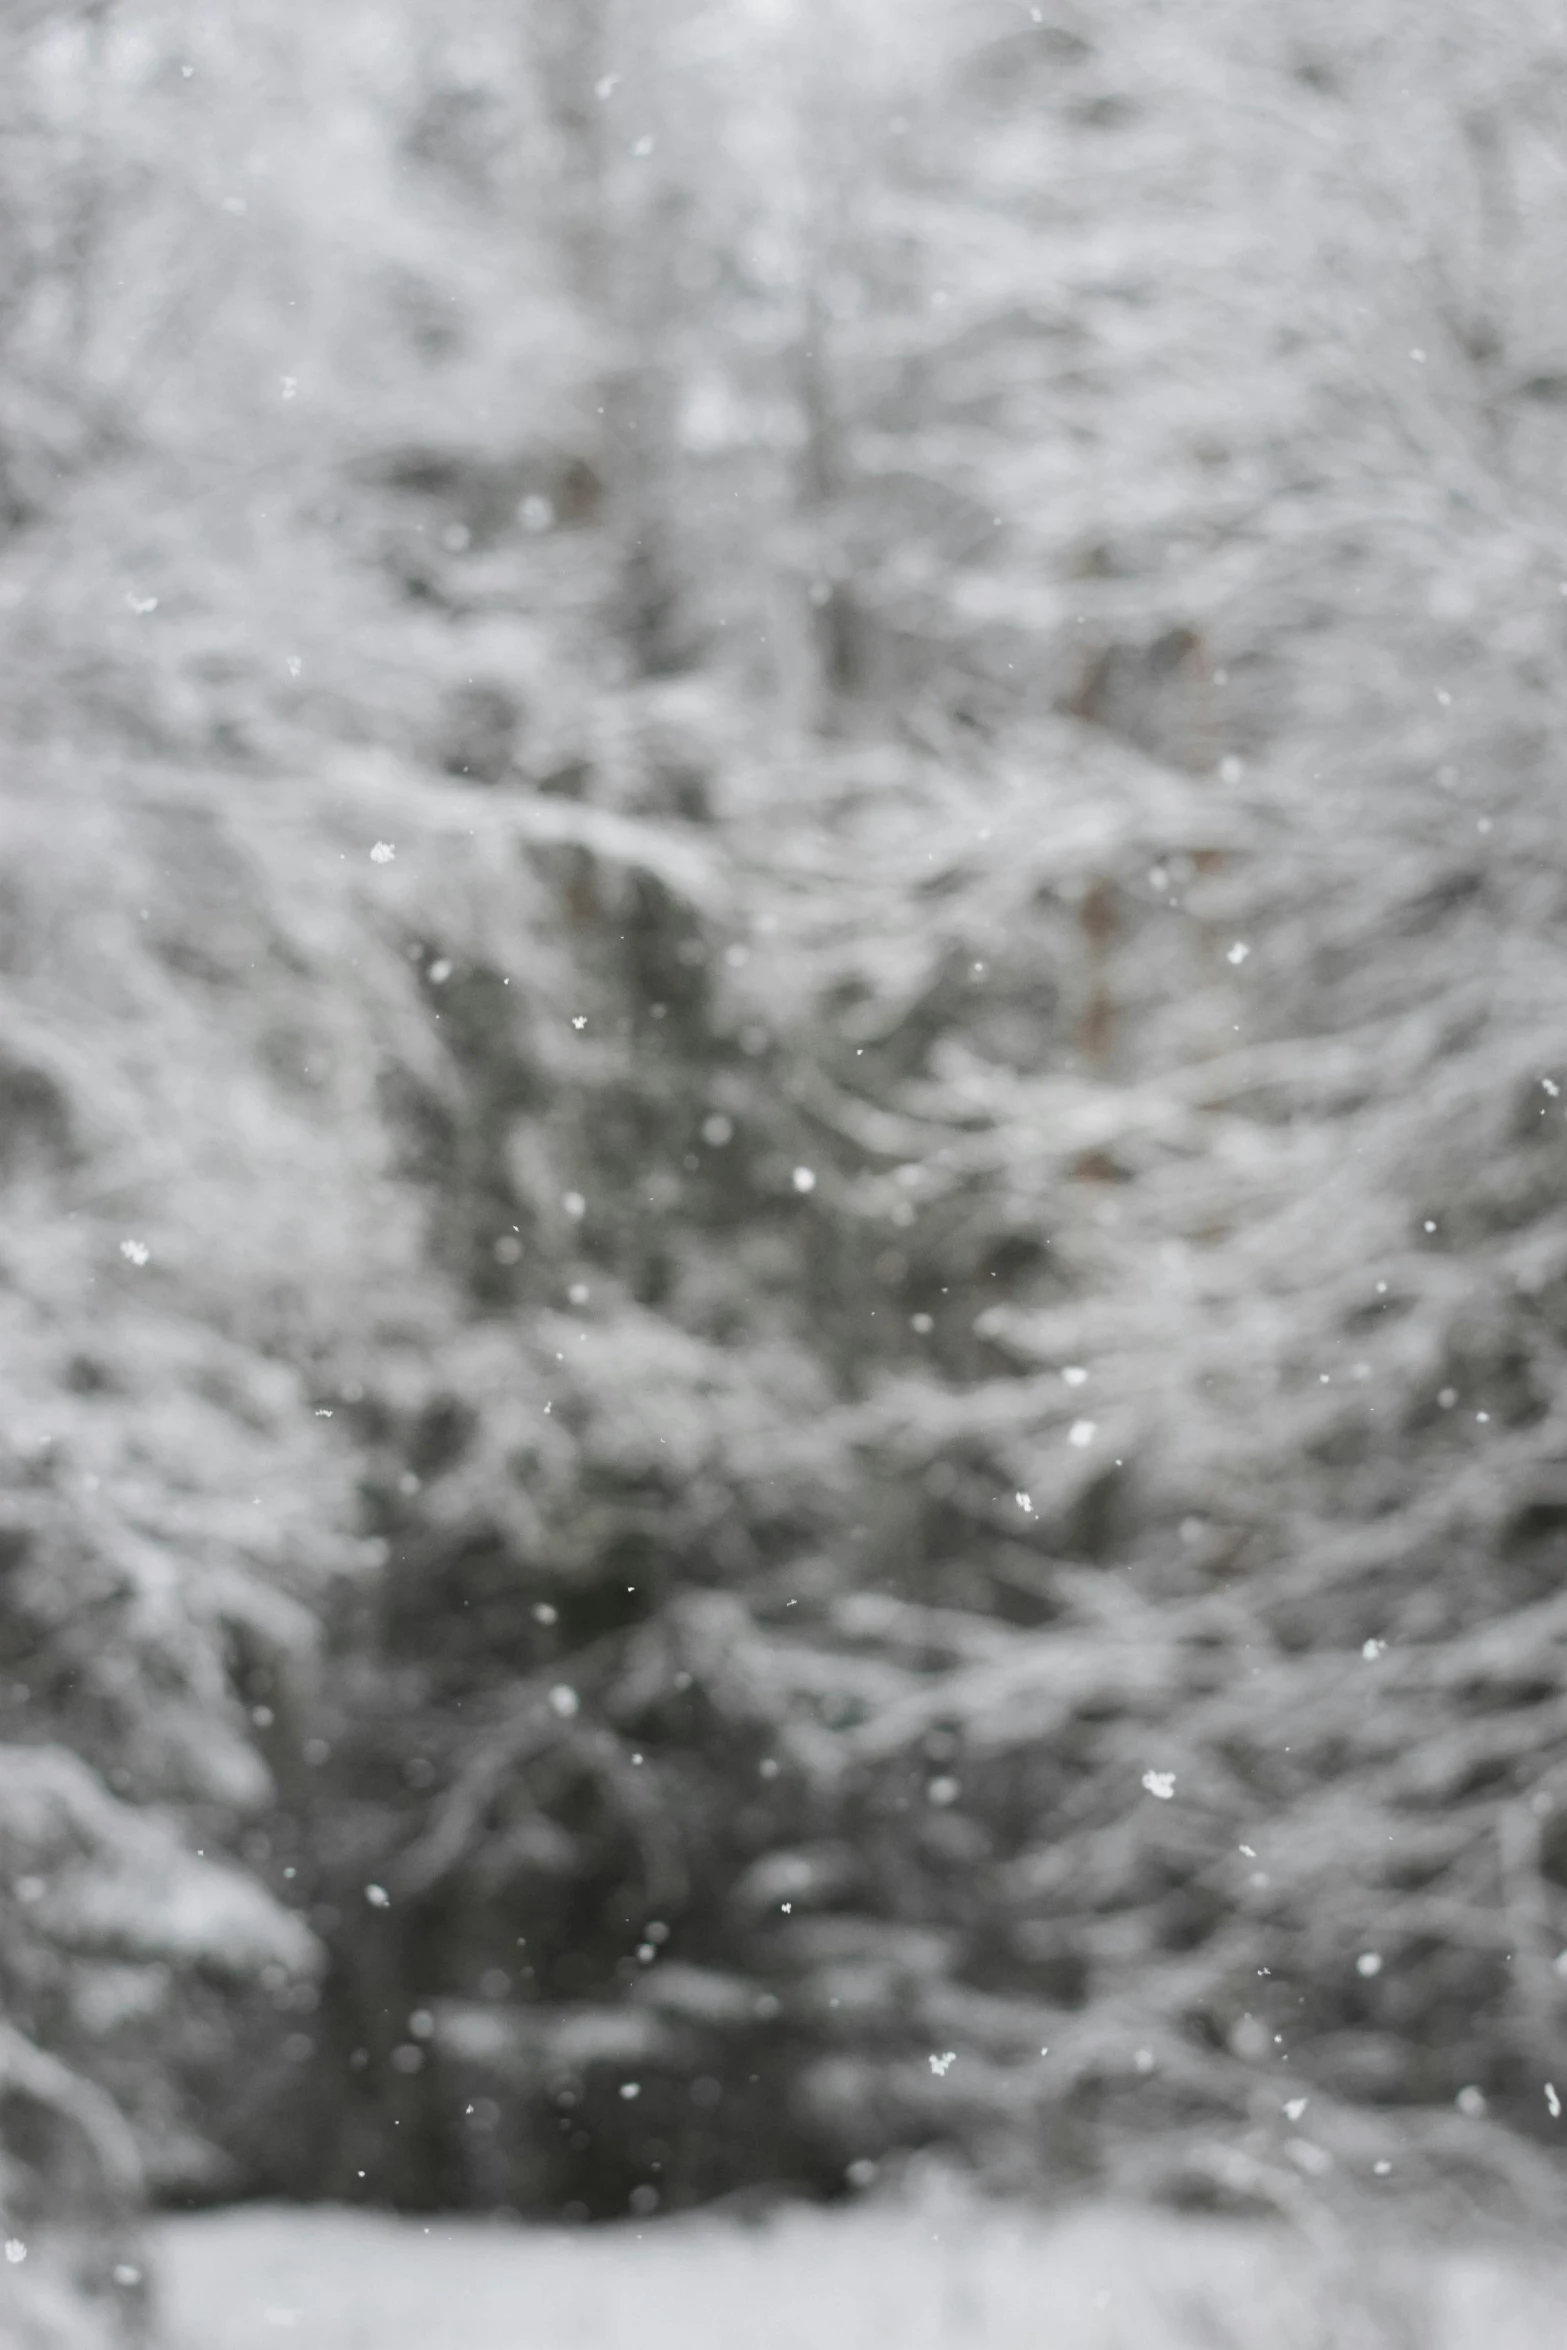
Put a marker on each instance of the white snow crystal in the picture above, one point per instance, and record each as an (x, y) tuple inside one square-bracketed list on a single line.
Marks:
[(141, 605), (630, 2089), (1025, 1503), (1369, 1963), (1553, 2104), (1295, 2107), (378, 1897), (579, 1019), (941, 2065), (804, 1180), (15, 2250), (1238, 952), (135, 1252), (1074, 1374), (1471, 2101), (1551, 1086), (1160, 1783), (1372, 1649), (575, 1205), (564, 1701), (382, 853), (1082, 1432)]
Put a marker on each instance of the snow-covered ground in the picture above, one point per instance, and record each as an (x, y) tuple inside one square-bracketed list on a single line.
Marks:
[(933, 2277)]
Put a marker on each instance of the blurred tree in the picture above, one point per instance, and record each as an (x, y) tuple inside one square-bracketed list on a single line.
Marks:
[(779, 989)]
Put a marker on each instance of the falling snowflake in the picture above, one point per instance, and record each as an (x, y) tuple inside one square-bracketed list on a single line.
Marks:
[(1025, 1503), (630, 2089), (564, 1701), (378, 1897), (1074, 1374), (1082, 1432), (1238, 952), (942, 2065), (1553, 2104), (1372, 1649), (1471, 2101), (141, 605), (1295, 2107), (382, 853), (575, 1205), (15, 2250), (1369, 1963), (1551, 1086), (135, 1252), (804, 1179), (579, 1019), (1160, 1783)]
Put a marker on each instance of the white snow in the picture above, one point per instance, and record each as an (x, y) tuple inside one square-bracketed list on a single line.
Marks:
[(923, 2275)]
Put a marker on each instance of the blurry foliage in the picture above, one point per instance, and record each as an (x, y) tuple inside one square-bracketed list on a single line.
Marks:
[(780, 1087)]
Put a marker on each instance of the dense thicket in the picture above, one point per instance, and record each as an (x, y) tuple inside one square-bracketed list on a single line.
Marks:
[(783, 1280)]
